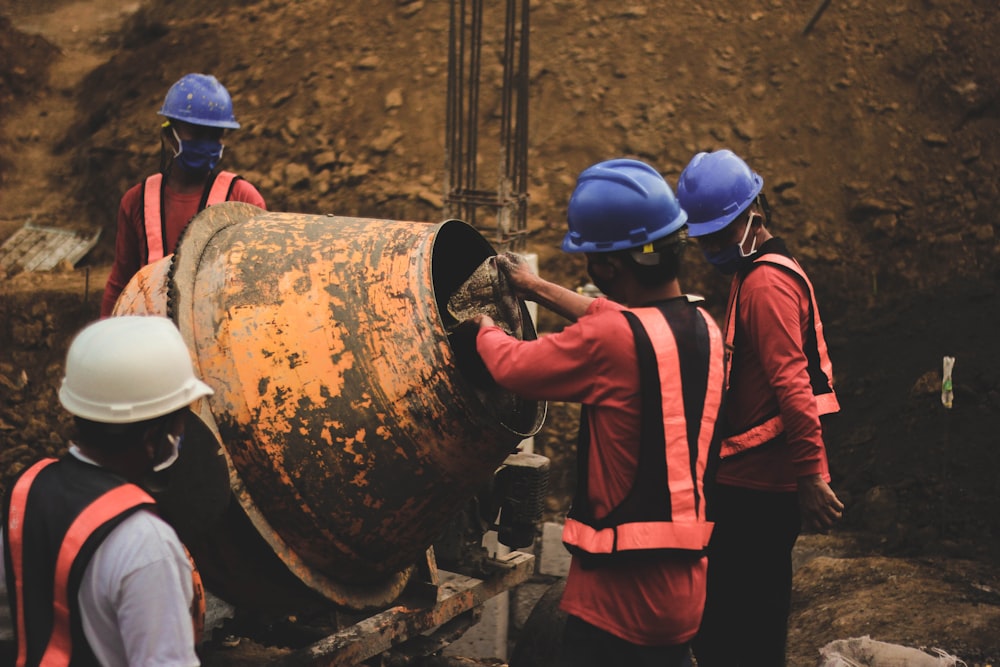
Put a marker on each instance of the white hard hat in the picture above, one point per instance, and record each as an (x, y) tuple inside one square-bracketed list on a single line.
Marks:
[(129, 369)]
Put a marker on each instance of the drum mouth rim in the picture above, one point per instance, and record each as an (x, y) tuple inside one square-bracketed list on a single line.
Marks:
[(525, 418)]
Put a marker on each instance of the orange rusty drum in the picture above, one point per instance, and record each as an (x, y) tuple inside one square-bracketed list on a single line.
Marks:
[(350, 430)]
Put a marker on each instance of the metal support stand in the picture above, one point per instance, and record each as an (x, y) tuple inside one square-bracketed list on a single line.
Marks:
[(457, 595)]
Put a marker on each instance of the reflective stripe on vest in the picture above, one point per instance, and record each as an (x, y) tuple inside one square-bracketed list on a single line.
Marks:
[(105, 508), (15, 538), (153, 215), (640, 535), (198, 603), (686, 527), (816, 354), (111, 504)]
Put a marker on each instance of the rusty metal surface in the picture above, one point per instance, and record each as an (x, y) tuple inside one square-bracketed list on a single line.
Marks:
[(380, 632), (146, 292), (350, 433), (197, 492)]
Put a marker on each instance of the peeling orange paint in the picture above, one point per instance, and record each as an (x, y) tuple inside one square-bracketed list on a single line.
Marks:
[(349, 428), (146, 294)]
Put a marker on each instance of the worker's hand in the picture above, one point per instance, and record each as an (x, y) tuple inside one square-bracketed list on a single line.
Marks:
[(482, 320), (818, 504), (522, 279)]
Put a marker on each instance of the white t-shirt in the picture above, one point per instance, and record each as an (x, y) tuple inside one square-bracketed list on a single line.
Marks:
[(135, 596)]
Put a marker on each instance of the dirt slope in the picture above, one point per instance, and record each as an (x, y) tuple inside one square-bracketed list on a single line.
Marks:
[(876, 132)]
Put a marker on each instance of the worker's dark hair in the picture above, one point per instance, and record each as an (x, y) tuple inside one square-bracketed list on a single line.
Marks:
[(659, 264), (765, 208), (115, 437)]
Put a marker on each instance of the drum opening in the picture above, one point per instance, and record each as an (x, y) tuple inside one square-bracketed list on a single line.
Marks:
[(460, 268)]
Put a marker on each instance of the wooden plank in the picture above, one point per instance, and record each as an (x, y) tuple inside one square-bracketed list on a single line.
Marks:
[(377, 633), (35, 248)]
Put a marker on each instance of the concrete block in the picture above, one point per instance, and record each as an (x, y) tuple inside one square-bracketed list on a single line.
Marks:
[(554, 559), (488, 638), (523, 602)]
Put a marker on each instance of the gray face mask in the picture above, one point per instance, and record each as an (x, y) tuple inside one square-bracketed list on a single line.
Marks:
[(175, 443)]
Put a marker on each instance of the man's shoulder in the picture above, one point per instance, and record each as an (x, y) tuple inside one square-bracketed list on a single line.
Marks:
[(769, 285), (603, 314), (605, 326), (145, 521), (774, 268), (603, 306), (141, 538), (247, 192), (134, 193)]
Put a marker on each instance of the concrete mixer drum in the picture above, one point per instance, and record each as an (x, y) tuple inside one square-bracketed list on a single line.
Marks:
[(345, 427)]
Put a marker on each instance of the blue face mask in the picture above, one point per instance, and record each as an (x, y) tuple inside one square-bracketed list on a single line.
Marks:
[(730, 259), (198, 156), (726, 261)]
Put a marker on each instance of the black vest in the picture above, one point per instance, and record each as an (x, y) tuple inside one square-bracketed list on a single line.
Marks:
[(55, 517), (680, 355)]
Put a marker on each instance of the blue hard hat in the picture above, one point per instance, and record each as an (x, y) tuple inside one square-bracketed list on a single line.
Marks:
[(200, 99), (620, 204), (714, 189)]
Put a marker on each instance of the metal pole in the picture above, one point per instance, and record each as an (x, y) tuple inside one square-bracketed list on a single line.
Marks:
[(820, 8)]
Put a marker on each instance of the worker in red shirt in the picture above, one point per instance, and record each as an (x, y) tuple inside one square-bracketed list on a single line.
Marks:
[(153, 213), (646, 365), (773, 474)]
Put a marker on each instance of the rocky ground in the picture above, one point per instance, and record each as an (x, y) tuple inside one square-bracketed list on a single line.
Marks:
[(876, 131)]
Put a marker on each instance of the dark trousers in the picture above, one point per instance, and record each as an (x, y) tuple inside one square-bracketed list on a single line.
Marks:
[(584, 645), (749, 579)]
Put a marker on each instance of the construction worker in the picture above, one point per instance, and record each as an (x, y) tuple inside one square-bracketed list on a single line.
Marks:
[(152, 214), (645, 362), (91, 573), (773, 474)]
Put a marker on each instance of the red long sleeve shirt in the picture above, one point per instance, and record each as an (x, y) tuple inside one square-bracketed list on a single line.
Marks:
[(770, 375), (130, 243), (594, 362)]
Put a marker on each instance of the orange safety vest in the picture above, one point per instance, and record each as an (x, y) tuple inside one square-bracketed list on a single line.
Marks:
[(154, 218), (820, 366), (55, 625), (680, 356)]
